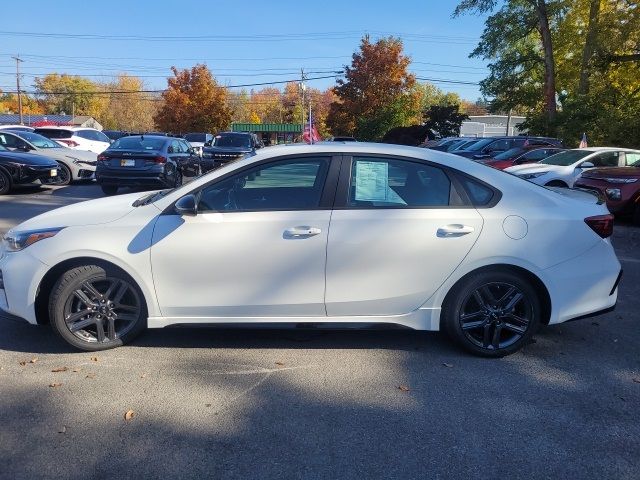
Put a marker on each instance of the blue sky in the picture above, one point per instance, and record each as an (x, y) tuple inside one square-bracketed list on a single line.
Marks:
[(273, 40)]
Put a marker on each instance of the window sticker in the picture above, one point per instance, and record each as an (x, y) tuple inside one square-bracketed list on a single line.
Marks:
[(372, 180)]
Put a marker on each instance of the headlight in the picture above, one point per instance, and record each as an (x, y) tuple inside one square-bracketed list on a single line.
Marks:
[(16, 241), (613, 193), (529, 176), (621, 180)]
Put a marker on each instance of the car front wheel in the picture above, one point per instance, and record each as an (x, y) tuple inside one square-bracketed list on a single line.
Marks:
[(492, 314), (96, 307), (5, 182), (109, 190)]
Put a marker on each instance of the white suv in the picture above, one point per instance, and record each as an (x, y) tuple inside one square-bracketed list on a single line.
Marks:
[(79, 138)]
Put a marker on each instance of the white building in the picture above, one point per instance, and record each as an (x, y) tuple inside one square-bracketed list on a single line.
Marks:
[(491, 126)]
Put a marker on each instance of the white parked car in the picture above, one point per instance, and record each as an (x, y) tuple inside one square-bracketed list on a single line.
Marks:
[(78, 138), (199, 140), (564, 168), (22, 128), (72, 164), (334, 232)]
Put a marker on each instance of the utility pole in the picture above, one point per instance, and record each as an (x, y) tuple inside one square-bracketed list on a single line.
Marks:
[(303, 87), (18, 62)]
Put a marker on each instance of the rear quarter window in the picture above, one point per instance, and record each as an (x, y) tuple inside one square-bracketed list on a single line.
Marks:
[(480, 195)]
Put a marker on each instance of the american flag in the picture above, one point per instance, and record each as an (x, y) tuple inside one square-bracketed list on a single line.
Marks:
[(310, 133), (583, 142)]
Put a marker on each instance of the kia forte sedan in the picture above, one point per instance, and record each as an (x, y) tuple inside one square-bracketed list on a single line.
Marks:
[(349, 233)]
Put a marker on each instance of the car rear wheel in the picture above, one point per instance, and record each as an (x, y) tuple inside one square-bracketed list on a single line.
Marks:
[(109, 189), (5, 182), (64, 176), (96, 308), (492, 314)]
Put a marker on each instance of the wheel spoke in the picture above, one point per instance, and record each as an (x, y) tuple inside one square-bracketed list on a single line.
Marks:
[(486, 293), (83, 298), (474, 325), (495, 340), (100, 335), (92, 290), (111, 328), (127, 308), (82, 324), (519, 320), (78, 315), (514, 301), (469, 316), (126, 317), (514, 328), (505, 298), (486, 337), (479, 299), (120, 293), (112, 288)]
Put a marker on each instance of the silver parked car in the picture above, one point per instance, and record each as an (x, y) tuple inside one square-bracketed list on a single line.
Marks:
[(73, 164)]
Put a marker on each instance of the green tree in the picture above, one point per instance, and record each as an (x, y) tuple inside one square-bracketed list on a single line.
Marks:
[(377, 92), (193, 102), (445, 120)]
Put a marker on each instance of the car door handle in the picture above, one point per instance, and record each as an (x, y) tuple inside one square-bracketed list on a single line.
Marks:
[(301, 232), (454, 230)]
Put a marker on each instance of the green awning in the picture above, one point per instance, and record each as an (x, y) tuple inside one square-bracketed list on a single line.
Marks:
[(267, 127)]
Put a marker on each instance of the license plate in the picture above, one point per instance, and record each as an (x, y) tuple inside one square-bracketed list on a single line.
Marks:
[(127, 163), (54, 172)]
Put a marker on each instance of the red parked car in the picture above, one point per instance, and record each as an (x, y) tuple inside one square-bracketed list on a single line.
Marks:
[(620, 186), (520, 155)]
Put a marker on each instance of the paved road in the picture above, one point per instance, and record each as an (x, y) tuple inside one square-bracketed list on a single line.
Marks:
[(326, 405)]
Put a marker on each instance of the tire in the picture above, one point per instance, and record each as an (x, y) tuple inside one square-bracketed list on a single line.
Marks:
[(556, 183), (5, 182), (497, 290), (178, 176), (636, 215), (109, 190), (96, 308), (64, 176)]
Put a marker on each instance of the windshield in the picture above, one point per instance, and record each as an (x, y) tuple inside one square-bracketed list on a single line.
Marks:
[(38, 141), (512, 152), (566, 158), (479, 145), (232, 140), (138, 143), (196, 137)]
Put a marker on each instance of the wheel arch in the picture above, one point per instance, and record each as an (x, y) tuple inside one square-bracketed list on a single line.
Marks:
[(543, 293), (45, 287)]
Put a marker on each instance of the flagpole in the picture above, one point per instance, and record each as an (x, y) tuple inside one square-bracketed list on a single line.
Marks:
[(310, 123)]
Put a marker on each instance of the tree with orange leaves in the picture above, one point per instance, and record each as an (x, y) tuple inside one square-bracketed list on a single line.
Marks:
[(193, 102)]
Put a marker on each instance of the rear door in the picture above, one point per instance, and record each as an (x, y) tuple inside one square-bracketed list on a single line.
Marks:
[(400, 227)]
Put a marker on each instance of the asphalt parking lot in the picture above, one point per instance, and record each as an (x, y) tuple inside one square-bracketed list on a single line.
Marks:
[(321, 404)]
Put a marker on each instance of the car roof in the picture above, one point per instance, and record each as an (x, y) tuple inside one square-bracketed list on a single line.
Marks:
[(62, 127), (608, 149)]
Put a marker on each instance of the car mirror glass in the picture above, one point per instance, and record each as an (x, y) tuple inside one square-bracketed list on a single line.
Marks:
[(187, 206)]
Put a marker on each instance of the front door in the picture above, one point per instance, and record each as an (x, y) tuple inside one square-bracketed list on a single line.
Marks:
[(256, 248), (400, 228)]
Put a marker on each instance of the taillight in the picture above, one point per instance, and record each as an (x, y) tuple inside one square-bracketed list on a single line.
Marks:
[(159, 159), (601, 224), (102, 158), (69, 143)]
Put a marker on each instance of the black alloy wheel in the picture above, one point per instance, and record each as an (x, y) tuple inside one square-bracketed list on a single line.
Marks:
[(492, 314), (96, 308), (64, 176), (5, 182), (178, 176)]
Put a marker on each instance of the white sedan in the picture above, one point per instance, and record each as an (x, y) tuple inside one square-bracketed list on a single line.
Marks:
[(336, 233), (564, 168)]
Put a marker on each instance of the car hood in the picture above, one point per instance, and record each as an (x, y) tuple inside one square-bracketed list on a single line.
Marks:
[(533, 168), (613, 172), (238, 150), (28, 159), (91, 212)]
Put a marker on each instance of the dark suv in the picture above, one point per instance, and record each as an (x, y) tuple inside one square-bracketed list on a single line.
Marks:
[(492, 146), (227, 147)]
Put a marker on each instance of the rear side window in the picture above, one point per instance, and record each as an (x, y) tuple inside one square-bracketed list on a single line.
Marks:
[(377, 182), (632, 158), (479, 194), (54, 132), (605, 159)]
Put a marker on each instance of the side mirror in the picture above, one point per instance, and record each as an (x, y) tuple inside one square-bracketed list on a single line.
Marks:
[(25, 148), (208, 144), (169, 149), (187, 206), (586, 165)]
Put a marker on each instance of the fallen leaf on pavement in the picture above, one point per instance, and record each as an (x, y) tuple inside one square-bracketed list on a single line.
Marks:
[(75, 370), (33, 360), (279, 364), (63, 429), (448, 365), (90, 375), (94, 359), (54, 385), (129, 415), (403, 388), (207, 404), (143, 375), (22, 364), (59, 369)]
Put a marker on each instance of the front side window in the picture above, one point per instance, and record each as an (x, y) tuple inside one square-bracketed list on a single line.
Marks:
[(605, 159), (383, 183), (176, 147), (535, 155), (9, 141), (292, 184), (632, 158)]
